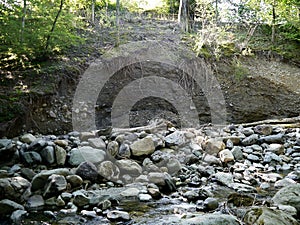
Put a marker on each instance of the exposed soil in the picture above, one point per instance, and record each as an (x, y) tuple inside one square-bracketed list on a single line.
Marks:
[(264, 87)]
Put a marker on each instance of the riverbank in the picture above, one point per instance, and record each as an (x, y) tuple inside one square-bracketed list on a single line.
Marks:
[(153, 175)]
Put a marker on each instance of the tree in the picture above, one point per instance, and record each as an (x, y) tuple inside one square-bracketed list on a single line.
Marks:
[(184, 15), (54, 24)]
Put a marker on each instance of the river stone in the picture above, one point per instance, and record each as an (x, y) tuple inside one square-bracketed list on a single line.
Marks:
[(263, 215), (74, 180), (14, 188), (211, 159), (284, 182), (288, 195), (17, 216), (37, 145), (210, 219), (124, 151), (224, 178), (247, 131), (86, 153), (48, 155), (61, 143), (130, 192), (84, 136), (80, 198), (157, 178), (31, 158), (55, 184), (145, 197), (214, 146), (176, 138), (60, 155), (39, 180), (27, 138), (288, 209), (113, 148), (116, 215), (173, 166), (250, 140), (97, 143), (27, 173), (34, 203), (210, 204), (226, 156), (142, 147), (276, 148), (130, 167), (276, 138), (87, 171), (263, 129), (237, 153), (7, 207), (108, 170)]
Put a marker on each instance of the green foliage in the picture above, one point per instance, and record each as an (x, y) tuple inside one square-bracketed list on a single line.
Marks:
[(239, 71), (22, 46)]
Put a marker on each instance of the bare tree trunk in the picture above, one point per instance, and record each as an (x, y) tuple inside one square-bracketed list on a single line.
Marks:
[(23, 21), (54, 24), (118, 20), (273, 23), (93, 12), (183, 15)]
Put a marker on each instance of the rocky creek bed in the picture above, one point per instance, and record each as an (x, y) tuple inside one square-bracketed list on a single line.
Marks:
[(162, 175)]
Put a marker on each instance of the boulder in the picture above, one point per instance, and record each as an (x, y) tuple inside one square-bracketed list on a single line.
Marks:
[(142, 147), (7, 207), (87, 171), (263, 215), (86, 153), (288, 195)]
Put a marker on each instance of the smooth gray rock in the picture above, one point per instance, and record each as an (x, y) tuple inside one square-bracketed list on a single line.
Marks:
[(17, 216), (55, 184), (113, 148), (48, 154), (263, 215), (288, 195), (39, 180), (210, 219), (250, 140), (176, 138), (86, 153), (60, 155), (213, 146), (34, 203), (127, 166), (15, 188), (74, 180), (224, 178), (31, 158), (237, 153), (97, 143), (142, 147), (7, 207), (27, 138), (87, 171), (108, 170), (116, 215)]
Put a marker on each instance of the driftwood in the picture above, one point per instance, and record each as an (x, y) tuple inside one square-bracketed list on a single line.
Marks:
[(158, 125), (284, 122)]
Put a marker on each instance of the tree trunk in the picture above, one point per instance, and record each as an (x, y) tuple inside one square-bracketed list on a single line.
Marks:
[(54, 24), (93, 12), (118, 20), (273, 23), (183, 15), (23, 21)]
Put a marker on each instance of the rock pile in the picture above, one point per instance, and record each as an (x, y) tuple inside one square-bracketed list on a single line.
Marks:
[(206, 176)]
